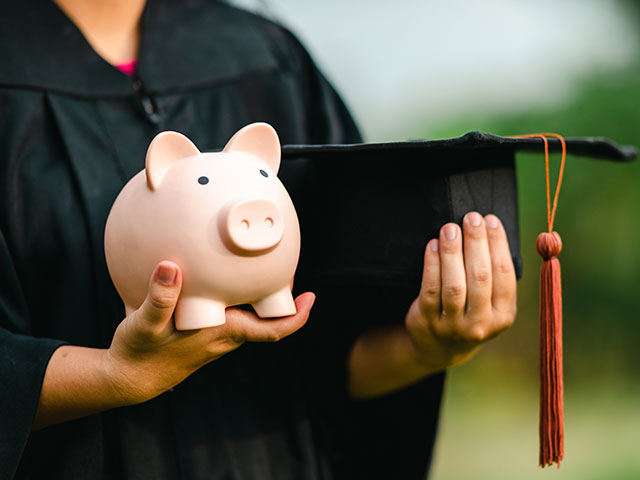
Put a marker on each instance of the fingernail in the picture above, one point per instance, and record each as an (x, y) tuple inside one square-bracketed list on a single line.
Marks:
[(474, 219), (166, 275), (492, 221), (433, 245), (450, 232)]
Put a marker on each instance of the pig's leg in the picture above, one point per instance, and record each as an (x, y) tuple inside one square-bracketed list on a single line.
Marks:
[(278, 304), (198, 312)]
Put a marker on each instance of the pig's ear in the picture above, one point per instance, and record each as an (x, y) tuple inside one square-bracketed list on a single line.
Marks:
[(261, 140), (166, 148)]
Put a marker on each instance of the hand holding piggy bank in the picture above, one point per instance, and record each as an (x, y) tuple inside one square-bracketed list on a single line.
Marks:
[(224, 218)]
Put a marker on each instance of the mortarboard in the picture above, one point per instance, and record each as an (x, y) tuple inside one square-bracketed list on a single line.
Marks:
[(366, 213), (369, 209)]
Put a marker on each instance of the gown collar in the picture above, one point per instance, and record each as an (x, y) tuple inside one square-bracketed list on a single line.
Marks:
[(175, 37)]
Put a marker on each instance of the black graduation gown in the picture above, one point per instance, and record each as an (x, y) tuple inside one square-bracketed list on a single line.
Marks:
[(73, 130)]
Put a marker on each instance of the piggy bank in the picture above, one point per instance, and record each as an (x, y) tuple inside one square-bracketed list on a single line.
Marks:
[(225, 218)]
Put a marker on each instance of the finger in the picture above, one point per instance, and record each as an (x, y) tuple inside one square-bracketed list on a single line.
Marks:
[(454, 289), (430, 290), (503, 273), (477, 261), (249, 327), (162, 295)]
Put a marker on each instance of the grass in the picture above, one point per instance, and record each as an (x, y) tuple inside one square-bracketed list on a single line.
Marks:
[(489, 427)]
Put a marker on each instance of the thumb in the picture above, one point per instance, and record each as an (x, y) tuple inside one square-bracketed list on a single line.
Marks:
[(162, 296)]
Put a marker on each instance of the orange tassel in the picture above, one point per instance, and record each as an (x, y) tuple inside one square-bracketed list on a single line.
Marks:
[(551, 427), (549, 245)]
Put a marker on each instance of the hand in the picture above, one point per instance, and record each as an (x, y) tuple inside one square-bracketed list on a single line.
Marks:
[(468, 292), (148, 355)]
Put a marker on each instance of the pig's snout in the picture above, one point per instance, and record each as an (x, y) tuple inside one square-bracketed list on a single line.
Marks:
[(252, 225)]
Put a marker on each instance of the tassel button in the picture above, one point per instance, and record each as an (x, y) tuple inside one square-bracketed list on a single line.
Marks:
[(549, 245)]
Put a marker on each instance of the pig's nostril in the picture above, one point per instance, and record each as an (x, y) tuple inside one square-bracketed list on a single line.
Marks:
[(245, 224), (268, 222)]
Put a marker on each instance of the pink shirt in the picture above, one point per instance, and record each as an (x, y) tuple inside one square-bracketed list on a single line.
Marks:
[(127, 67)]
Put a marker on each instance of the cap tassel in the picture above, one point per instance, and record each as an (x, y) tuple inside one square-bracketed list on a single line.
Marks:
[(549, 245), (551, 387)]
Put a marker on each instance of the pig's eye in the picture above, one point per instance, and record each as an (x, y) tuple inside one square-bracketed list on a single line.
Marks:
[(263, 173), (203, 180)]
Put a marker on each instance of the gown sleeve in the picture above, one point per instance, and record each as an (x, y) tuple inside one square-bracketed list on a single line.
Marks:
[(23, 361)]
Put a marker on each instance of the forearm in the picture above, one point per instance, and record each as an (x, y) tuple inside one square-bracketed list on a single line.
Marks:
[(80, 381), (385, 359)]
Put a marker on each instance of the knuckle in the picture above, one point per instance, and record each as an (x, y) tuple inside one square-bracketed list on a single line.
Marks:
[(235, 337), (481, 275), (508, 317), (419, 315), (272, 336), (450, 247), (441, 329), (431, 291), (162, 301), (217, 345), (453, 312), (428, 306), (504, 268), (506, 306), (454, 291), (474, 333), (419, 320), (428, 310), (223, 339), (234, 341)]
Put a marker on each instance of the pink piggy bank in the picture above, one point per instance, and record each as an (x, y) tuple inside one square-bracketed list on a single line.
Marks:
[(225, 218)]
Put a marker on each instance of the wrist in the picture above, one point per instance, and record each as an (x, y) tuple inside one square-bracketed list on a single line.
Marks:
[(127, 382), (441, 357), (81, 381)]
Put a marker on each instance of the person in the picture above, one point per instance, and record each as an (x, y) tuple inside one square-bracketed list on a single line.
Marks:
[(87, 394)]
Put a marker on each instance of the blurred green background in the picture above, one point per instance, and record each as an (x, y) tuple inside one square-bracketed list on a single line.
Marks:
[(488, 429)]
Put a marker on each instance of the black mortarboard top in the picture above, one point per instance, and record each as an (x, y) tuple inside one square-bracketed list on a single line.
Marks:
[(367, 212)]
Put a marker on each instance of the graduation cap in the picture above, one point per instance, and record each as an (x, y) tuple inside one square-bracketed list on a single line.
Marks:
[(366, 213)]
